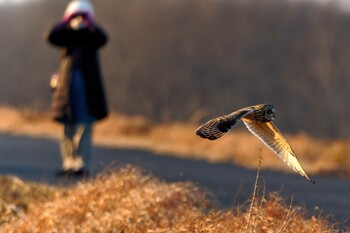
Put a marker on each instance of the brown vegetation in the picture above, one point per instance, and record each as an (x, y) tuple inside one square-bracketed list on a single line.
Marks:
[(323, 157), (17, 196), (127, 200)]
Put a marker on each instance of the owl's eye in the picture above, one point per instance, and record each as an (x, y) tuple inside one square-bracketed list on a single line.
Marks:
[(269, 111)]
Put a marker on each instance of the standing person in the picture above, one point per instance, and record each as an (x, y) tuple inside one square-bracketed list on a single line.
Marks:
[(78, 97)]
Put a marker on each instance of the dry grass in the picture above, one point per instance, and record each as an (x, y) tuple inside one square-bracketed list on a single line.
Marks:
[(240, 147), (128, 200), (17, 196), (15, 191)]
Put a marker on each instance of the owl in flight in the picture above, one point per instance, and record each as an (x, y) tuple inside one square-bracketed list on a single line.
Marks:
[(258, 120)]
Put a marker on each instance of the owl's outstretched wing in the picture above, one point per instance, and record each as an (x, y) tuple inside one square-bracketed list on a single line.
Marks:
[(269, 134), (218, 126)]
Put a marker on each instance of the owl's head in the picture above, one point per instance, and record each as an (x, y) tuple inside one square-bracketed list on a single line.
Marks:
[(269, 112)]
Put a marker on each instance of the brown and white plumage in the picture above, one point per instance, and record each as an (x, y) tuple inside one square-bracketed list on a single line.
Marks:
[(258, 120)]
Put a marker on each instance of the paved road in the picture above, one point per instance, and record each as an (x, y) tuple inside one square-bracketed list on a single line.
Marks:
[(37, 159)]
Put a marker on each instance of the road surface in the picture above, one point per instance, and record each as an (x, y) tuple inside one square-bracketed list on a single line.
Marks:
[(37, 160)]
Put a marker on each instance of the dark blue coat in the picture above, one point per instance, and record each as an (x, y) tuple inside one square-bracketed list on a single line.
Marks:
[(79, 51)]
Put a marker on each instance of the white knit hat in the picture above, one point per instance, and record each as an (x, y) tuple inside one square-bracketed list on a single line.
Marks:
[(79, 6)]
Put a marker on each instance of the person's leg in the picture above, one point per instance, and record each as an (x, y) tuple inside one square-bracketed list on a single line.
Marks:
[(67, 148), (82, 145)]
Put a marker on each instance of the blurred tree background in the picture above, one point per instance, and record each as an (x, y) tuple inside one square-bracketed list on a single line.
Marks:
[(189, 60)]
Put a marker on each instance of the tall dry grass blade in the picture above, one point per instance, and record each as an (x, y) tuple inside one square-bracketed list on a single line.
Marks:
[(237, 207), (238, 192), (339, 223), (260, 205), (287, 219), (256, 207), (255, 195)]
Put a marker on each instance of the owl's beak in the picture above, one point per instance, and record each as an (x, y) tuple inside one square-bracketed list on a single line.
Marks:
[(272, 117)]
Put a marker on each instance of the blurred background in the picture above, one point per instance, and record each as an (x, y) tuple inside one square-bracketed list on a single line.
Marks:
[(189, 60)]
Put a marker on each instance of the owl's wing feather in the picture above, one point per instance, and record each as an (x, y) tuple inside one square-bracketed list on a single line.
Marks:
[(269, 134), (217, 127)]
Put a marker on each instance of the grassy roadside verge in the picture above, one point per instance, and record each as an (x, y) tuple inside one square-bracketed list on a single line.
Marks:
[(130, 200)]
